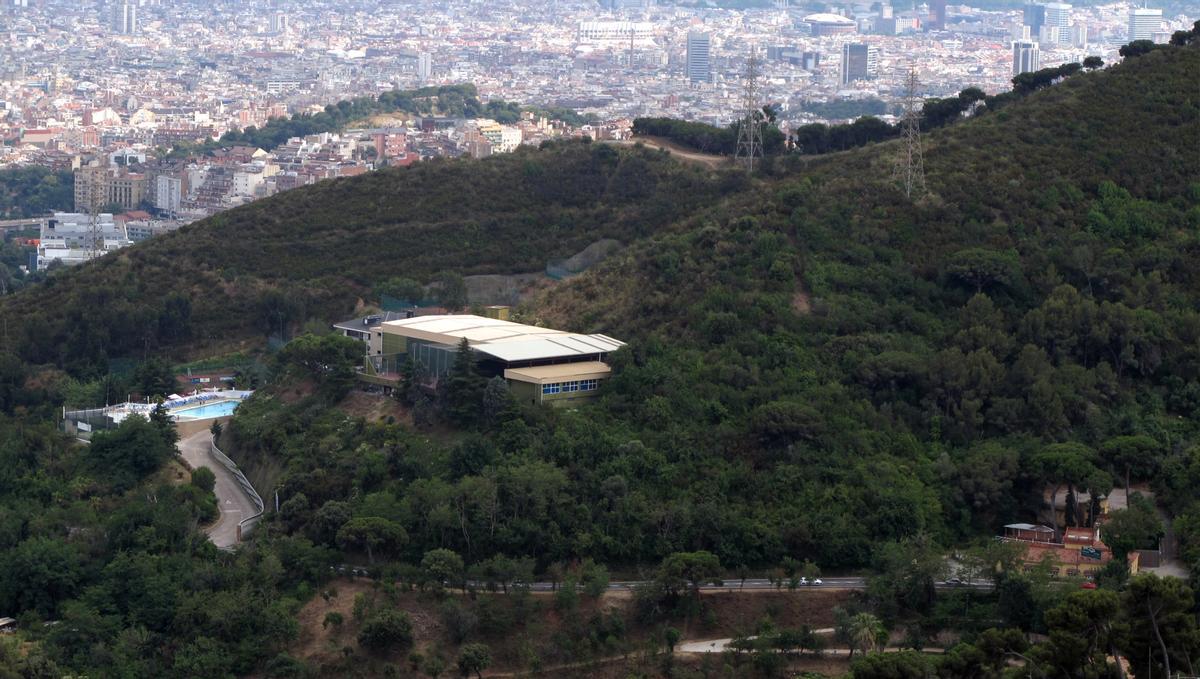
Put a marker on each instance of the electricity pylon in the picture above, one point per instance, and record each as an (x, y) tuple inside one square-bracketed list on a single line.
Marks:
[(910, 166), (749, 142), (97, 233)]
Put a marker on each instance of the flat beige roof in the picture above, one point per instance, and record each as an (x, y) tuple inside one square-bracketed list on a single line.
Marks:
[(505, 340), (449, 329), (543, 374)]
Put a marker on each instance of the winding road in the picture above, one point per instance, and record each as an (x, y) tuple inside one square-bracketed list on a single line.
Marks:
[(232, 501)]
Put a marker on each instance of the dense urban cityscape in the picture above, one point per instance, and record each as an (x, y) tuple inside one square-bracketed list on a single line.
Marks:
[(120, 84)]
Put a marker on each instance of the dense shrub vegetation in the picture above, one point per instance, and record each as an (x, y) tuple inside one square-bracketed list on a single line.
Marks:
[(704, 137), (34, 191), (846, 108), (818, 138), (892, 368)]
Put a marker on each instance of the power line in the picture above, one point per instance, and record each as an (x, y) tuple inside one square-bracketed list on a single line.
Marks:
[(749, 143), (910, 166)]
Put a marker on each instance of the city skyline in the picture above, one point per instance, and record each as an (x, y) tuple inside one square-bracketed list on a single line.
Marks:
[(127, 87)]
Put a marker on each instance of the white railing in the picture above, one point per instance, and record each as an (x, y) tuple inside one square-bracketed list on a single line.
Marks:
[(118, 412), (248, 523), (202, 397)]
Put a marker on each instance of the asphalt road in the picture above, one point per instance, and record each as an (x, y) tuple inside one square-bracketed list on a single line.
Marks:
[(232, 501), (729, 585), (762, 583)]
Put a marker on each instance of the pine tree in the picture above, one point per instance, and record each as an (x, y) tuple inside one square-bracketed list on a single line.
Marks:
[(495, 400), (160, 417), (406, 390), (464, 388)]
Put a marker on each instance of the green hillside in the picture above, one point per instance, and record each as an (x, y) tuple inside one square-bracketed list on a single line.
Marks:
[(901, 366), (822, 375), (312, 252)]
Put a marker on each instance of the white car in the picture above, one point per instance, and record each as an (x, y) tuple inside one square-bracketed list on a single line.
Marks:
[(803, 580), (817, 581)]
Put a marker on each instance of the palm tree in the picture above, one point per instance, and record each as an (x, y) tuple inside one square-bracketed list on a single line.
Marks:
[(866, 631)]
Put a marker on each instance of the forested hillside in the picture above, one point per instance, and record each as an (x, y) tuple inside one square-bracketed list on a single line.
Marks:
[(34, 191), (313, 252), (822, 375), (901, 366)]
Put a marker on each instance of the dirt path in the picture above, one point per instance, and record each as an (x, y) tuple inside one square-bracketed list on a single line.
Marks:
[(720, 645), (708, 160)]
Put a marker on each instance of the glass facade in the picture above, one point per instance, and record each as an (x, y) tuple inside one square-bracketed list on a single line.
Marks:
[(570, 387), (436, 359)]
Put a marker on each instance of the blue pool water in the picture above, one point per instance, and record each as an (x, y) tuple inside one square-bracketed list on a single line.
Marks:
[(219, 409)]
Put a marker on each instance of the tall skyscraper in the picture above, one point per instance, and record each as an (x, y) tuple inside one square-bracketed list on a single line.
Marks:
[(937, 11), (859, 62), (1034, 16), (1057, 28), (124, 17), (279, 22), (699, 61), (1079, 36), (424, 65), (1026, 57), (1144, 23)]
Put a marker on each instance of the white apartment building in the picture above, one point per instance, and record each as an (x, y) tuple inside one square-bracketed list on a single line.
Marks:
[(168, 191), (72, 238), (615, 31), (247, 180)]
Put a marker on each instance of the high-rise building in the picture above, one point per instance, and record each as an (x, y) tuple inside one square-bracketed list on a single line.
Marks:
[(1057, 28), (859, 62), (1144, 23), (699, 59), (937, 18), (1034, 16), (1026, 57), (1078, 36), (124, 17), (279, 22), (424, 65)]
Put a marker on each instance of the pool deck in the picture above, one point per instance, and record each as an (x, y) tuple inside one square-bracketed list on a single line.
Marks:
[(119, 412), (181, 413)]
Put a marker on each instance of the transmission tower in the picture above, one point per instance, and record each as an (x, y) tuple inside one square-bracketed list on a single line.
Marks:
[(96, 232), (910, 167), (749, 143)]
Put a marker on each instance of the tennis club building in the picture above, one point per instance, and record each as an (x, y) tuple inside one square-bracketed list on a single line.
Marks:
[(541, 365)]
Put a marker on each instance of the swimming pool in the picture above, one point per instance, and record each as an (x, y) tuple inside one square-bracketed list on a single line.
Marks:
[(218, 409)]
